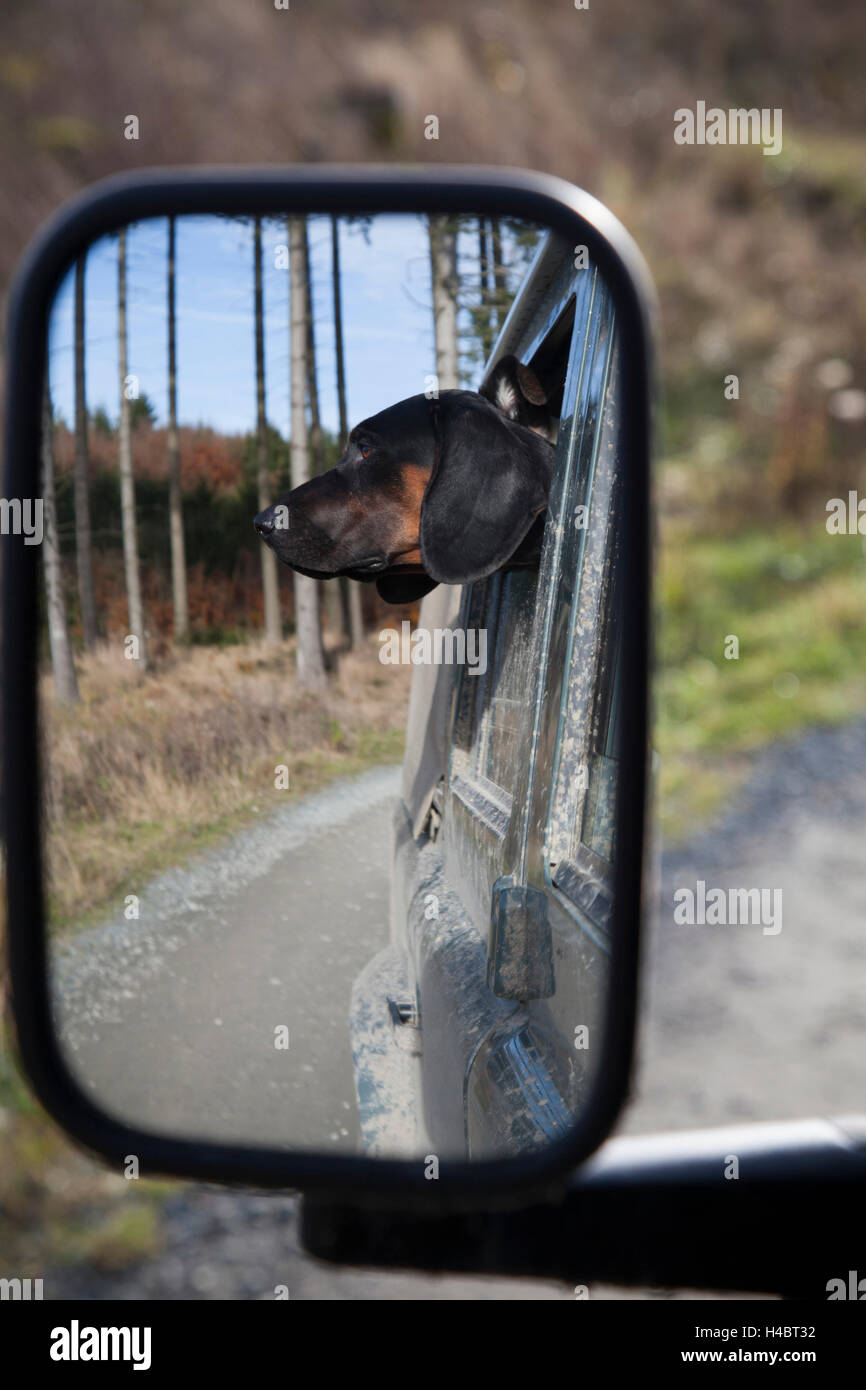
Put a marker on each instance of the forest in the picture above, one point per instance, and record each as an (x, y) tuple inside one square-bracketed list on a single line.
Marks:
[(149, 521)]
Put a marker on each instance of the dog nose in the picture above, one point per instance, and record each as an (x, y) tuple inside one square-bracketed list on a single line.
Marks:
[(264, 524)]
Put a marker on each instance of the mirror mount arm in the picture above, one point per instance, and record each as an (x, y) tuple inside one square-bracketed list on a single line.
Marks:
[(674, 1210)]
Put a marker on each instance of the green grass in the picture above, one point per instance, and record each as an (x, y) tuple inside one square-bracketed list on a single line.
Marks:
[(57, 1206), (795, 601)]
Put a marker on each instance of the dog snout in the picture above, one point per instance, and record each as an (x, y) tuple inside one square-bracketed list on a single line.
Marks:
[(264, 523)]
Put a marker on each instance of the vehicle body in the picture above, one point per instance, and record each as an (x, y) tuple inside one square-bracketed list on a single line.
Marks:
[(472, 1033)]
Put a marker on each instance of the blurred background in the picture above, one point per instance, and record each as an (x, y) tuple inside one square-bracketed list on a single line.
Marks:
[(758, 263)]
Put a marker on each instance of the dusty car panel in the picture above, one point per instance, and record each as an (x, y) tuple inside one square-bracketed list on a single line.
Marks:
[(498, 904)]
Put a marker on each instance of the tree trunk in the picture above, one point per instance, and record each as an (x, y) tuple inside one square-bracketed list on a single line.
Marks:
[(350, 588), (175, 501), (333, 603), (485, 316), (499, 287), (62, 664), (127, 482), (310, 655), (317, 443), (83, 547), (443, 261), (270, 574)]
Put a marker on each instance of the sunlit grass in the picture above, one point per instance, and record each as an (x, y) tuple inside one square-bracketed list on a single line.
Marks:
[(795, 603)]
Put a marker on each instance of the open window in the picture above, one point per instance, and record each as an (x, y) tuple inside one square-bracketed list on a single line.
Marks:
[(494, 713)]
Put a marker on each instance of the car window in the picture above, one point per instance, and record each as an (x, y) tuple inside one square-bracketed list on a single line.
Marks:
[(488, 726), (493, 742)]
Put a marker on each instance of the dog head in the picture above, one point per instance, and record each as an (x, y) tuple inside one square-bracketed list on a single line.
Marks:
[(429, 491)]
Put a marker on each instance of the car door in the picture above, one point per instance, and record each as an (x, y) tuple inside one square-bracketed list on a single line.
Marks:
[(548, 941), (510, 800)]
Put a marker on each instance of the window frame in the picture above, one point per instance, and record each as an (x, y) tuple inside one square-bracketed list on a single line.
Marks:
[(593, 876)]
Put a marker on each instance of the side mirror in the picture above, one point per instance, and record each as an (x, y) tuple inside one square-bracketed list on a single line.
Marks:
[(237, 400)]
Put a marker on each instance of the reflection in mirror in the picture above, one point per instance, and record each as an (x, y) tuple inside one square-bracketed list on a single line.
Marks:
[(329, 694)]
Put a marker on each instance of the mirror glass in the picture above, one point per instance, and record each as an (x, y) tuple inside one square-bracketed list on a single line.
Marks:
[(329, 686)]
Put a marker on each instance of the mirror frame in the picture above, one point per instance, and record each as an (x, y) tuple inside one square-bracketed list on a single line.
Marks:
[(125, 199)]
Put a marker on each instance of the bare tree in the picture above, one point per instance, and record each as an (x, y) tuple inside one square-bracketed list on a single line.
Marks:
[(505, 249), (270, 575), (127, 481), (499, 287), (443, 263), (310, 655), (333, 603), (350, 587), (175, 500), (317, 442), (62, 664), (83, 544), (483, 317)]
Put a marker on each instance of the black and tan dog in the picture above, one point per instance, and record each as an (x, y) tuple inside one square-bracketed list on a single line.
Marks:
[(429, 491)]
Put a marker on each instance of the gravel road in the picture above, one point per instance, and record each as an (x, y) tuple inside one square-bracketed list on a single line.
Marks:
[(736, 1023), (172, 1019)]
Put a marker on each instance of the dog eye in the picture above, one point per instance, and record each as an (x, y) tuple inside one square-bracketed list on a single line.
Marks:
[(366, 450)]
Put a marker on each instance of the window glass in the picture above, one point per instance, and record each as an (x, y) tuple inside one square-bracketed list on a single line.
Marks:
[(493, 711), (471, 690), (509, 679), (490, 705)]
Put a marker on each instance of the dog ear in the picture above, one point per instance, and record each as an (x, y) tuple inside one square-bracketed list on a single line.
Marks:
[(404, 588), (489, 482), (514, 388)]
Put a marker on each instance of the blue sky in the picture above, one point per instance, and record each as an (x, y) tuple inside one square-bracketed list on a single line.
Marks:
[(387, 320)]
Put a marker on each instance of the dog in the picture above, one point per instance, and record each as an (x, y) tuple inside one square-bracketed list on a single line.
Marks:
[(429, 491)]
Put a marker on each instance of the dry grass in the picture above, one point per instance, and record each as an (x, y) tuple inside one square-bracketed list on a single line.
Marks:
[(146, 769)]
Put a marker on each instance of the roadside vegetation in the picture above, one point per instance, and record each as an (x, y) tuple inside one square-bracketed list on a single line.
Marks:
[(57, 1206), (794, 599), (143, 772)]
